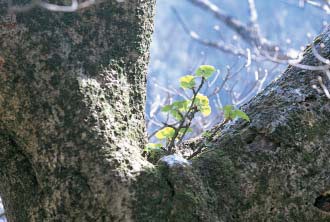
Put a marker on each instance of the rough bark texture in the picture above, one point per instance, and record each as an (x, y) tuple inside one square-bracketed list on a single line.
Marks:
[(72, 101), (274, 168), (72, 128)]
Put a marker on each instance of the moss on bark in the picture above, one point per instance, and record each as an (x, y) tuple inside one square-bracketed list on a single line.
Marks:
[(271, 169), (72, 101), (72, 97)]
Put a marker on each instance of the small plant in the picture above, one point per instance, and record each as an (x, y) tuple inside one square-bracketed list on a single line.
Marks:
[(229, 113), (184, 111)]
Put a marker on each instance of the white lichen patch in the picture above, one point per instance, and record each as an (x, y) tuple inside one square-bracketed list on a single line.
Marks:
[(175, 160)]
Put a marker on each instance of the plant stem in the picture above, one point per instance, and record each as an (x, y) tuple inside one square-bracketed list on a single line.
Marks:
[(191, 108)]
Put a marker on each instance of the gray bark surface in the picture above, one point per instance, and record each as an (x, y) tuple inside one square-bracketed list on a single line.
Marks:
[(72, 101), (275, 168)]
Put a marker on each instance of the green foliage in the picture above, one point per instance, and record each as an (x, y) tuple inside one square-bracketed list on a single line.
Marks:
[(202, 103), (184, 111), (177, 108), (185, 130), (231, 113), (154, 151), (166, 133), (152, 148), (187, 82), (205, 71)]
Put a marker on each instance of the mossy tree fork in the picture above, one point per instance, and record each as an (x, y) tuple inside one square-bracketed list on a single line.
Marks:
[(72, 130)]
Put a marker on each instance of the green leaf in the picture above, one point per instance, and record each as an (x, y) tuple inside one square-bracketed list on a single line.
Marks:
[(206, 111), (228, 112), (205, 71), (167, 132), (231, 113), (176, 108), (187, 82), (201, 99), (152, 146), (202, 103), (182, 106), (182, 130), (176, 115), (152, 149), (166, 108), (241, 114)]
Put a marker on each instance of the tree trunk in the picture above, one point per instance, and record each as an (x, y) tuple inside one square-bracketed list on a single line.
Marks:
[(72, 101), (274, 168)]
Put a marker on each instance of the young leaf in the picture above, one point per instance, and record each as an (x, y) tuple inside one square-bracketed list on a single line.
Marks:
[(241, 114), (206, 110), (151, 146), (167, 132), (182, 106), (231, 113), (228, 112), (176, 107), (176, 115), (182, 130), (152, 149), (202, 103), (205, 71), (166, 108), (187, 82), (201, 99)]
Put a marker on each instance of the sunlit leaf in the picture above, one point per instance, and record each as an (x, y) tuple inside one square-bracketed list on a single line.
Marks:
[(187, 82), (241, 114), (231, 113), (182, 106), (228, 112), (167, 132), (177, 107), (166, 108), (151, 146), (201, 99), (202, 103), (205, 71), (206, 110)]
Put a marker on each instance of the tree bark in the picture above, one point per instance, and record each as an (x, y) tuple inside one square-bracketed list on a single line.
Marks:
[(274, 168), (72, 129), (72, 101)]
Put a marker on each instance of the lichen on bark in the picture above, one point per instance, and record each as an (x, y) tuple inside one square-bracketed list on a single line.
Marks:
[(72, 129), (72, 100), (270, 169)]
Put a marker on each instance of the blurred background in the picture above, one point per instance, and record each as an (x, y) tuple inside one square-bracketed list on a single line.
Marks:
[(250, 42)]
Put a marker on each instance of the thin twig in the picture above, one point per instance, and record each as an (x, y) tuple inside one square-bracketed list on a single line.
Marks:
[(250, 35), (187, 114)]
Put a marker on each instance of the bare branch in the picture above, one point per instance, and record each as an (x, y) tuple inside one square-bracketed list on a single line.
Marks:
[(324, 5), (324, 88), (220, 45), (250, 35), (75, 5), (254, 16), (253, 11)]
